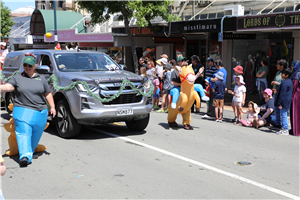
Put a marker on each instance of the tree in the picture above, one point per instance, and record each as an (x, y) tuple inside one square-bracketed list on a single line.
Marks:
[(6, 22), (144, 11)]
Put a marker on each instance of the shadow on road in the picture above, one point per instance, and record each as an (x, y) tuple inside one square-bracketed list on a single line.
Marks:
[(87, 133)]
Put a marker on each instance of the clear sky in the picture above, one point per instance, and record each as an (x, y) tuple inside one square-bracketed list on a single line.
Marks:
[(15, 4)]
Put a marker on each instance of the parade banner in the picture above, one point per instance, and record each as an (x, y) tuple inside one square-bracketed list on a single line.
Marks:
[(271, 21)]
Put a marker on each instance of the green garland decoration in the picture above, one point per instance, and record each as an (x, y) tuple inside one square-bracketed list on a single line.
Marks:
[(125, 82)]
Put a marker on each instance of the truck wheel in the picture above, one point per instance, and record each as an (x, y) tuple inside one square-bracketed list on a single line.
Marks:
[(9, 99), (66, 125), (138, 125)]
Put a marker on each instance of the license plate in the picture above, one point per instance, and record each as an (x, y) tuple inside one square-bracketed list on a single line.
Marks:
[(124, 112)]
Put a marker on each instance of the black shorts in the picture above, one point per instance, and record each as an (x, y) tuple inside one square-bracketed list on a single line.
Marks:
[(166, 91)]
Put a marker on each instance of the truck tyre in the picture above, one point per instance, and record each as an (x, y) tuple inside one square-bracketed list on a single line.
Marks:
[(138, 125), (66, 125), (9, 99)]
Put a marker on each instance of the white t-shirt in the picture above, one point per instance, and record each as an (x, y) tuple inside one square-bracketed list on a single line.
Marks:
[(238, 93), (251, 116), (159, 70)]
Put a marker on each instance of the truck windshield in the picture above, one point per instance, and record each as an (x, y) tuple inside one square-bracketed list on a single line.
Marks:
[(85, 62)]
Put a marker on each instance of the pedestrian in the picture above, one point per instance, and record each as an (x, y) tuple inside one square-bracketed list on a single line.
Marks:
[(281, 65), (207, 91), (3, 171), (156, 91), (141, 63), (196, 65), (4, 51), (176, 82), (209, 73), (9, 46), (261, 81), (219, 90), (143, 73), (239, 96), (173, 63), (266, 109), (167, 86), (295, 105), (238, 71), (151, 70), (283, 102), (32, 93), (252, 114)]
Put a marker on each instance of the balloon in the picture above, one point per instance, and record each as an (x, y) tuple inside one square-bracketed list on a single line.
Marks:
[(48, 35)]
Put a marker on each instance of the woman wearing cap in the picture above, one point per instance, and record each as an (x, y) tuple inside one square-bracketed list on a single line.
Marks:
[(266, 109), (32, 93), (295, 107), (4, 51), (261, 81)]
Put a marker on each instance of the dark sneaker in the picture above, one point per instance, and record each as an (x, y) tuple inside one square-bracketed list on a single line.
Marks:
[(24, 162), (234, 119)]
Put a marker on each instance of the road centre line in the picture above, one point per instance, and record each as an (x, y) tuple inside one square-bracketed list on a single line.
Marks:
[(280, 192)]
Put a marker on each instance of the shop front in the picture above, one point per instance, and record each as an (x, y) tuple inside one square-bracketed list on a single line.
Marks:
[(264, 37)]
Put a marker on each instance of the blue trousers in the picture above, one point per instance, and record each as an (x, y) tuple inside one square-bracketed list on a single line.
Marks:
[(29, 126), (261, 89), (281, 118), (175, 91)]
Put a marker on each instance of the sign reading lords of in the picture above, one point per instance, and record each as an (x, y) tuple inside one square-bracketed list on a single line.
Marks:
[(282, 20)]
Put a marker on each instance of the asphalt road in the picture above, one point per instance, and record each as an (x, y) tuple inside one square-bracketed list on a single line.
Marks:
[(111, 162)]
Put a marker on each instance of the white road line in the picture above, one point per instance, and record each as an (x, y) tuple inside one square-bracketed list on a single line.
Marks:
[(280, 192)]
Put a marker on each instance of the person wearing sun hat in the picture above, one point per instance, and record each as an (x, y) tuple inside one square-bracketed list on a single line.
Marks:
[(9, 46), (30, 111), (266, 109)]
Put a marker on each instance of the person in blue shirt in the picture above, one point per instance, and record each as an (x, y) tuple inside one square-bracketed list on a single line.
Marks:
[(219, 65), (283, 101)]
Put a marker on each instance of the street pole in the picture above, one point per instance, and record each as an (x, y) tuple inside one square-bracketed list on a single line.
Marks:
[(55, 27)]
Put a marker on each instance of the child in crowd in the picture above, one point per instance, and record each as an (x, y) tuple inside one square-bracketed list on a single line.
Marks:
[(238, 71), (207, 91), (283, 101), (156, 91), (252, 114), (219, 89), (239, 96), (167, 86), (143, 73)]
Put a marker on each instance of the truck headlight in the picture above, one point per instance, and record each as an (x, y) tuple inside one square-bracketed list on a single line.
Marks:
[(81, 88)]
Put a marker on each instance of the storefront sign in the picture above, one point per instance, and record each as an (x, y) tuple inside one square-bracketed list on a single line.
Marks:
[(281, 20), (135, 31), (228, 36), (168, 40), (71, 35), (38, 41), (207, 25)]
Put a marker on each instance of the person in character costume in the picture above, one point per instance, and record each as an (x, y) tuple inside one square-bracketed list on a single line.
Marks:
[(175, 91), (12, 140), (30, 108), (186, 99)]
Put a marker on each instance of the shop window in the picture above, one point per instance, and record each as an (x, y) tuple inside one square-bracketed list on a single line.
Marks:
[(203, 16), (212, 15), (220, 14), (269, 46), (289, 9), (266, 11), (278, 10), (186, 18), (247, 12)]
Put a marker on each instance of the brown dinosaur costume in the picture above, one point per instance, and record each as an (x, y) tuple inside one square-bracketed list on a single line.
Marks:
[(187, 97)]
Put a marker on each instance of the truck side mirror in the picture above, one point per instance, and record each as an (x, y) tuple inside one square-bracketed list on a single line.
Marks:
[(42, 69)]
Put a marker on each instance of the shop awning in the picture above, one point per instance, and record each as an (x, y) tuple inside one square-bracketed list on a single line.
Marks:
[(42, 21)]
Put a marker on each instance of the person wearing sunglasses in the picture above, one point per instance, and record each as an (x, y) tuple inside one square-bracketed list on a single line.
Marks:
[(30, 113)]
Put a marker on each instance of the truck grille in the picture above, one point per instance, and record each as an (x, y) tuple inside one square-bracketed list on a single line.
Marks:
[(125, 99)]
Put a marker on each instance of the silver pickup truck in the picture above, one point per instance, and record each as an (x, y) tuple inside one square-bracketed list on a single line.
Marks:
[(76, 107)]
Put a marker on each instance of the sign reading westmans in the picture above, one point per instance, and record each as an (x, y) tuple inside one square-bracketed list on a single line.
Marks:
[(280, 20)]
